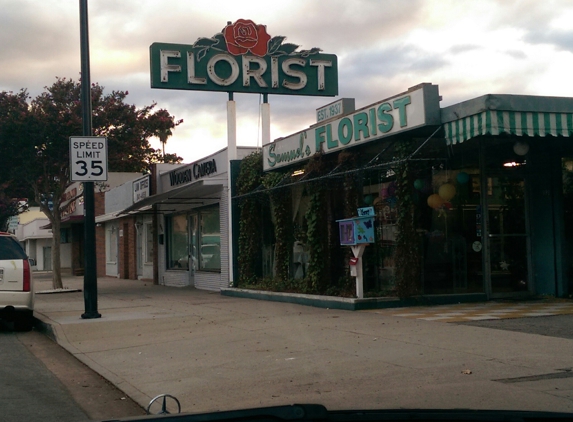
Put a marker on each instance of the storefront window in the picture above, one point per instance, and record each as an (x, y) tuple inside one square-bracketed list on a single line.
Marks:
[(178, 252), (66, 235), (451, 229), (209, 239), (195, 240), (386, 233)]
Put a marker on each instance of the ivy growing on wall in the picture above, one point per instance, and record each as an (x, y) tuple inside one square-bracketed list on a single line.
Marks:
[(250, 221), (407, 255), (348, 160), (317, 231), (281, 209)]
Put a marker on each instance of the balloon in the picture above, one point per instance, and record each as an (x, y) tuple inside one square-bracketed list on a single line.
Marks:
[(368, 199), (384, 193), (447, 191), (435, 201), (419, 184), (463, 177)]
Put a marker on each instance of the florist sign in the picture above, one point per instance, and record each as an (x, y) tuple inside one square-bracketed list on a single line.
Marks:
[(416, 108), (243, 57)]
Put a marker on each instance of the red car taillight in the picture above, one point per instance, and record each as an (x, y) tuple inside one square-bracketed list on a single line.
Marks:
[(27, 277)]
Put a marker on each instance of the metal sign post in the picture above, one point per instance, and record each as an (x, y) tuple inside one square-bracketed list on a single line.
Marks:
[(90, 267)]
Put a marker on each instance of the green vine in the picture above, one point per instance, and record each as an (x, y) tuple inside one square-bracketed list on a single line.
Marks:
[(250, 233), (407, 255), (281, 208), (348, 159), (317, 228), (316, 237)]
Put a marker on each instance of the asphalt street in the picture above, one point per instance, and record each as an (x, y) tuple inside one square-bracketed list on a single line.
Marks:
[(553, 326), (28, 390)]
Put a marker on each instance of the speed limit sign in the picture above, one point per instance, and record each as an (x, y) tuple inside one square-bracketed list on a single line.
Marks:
[(88, 158)]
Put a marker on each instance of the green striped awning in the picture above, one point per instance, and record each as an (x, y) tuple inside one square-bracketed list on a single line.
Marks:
[(492, 122)]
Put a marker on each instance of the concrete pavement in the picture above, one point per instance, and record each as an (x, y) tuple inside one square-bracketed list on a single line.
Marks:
[(215, 353)]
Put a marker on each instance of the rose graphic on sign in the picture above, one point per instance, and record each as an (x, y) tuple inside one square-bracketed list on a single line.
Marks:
[(244, 36)]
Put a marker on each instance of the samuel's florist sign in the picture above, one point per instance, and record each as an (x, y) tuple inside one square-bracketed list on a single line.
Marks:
[(244, 58)]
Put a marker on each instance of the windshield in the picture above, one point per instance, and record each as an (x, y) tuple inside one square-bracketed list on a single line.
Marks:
[(360, 204)]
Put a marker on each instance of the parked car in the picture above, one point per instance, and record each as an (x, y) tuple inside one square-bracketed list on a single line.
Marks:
[(211, 255), (16, 284)]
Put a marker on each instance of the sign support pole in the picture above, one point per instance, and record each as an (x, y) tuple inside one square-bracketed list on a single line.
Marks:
[(90, 267), (358, 251), (266, 119), (231, 155)]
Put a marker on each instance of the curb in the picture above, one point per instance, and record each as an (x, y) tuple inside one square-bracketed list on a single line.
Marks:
[(54, 331), (352, 304)]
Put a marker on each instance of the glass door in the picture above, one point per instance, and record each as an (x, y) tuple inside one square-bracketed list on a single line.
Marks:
[(567, 175), (507, 234), (193, 255)]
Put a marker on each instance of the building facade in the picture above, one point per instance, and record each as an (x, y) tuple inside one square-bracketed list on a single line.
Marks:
[(190, 222), (125, 242), (485, 183)]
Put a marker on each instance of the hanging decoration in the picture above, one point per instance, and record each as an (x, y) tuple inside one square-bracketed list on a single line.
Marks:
[(392, 189), (368, 199), (521, 148), (447, 191), (419, 184)]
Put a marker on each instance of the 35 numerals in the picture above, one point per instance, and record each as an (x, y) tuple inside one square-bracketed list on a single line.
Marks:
[(96, 168)]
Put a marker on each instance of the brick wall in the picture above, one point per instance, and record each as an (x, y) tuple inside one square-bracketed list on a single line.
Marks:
[(77, 249), (99, 208), (99, 203), (100, 250), (128, 249)]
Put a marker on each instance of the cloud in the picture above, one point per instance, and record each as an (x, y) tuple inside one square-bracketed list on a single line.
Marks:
[(561, 39), (516, 54), (463, 48), (469, 48)]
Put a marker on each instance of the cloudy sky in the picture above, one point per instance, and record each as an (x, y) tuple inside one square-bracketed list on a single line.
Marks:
[(469, 48)]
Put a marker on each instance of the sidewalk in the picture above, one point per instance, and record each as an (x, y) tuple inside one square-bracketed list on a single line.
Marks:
[(485, 311), (215, 353)]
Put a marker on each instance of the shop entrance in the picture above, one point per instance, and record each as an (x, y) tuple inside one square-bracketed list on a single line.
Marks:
[(507, 234), (567, 191), (193, 258), (507, 251)]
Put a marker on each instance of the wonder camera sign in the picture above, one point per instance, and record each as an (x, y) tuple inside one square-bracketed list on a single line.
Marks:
[(244, 58)]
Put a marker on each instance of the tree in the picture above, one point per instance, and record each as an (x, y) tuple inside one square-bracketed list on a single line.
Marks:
[(163, 124), (14, 117), (54, 116)]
